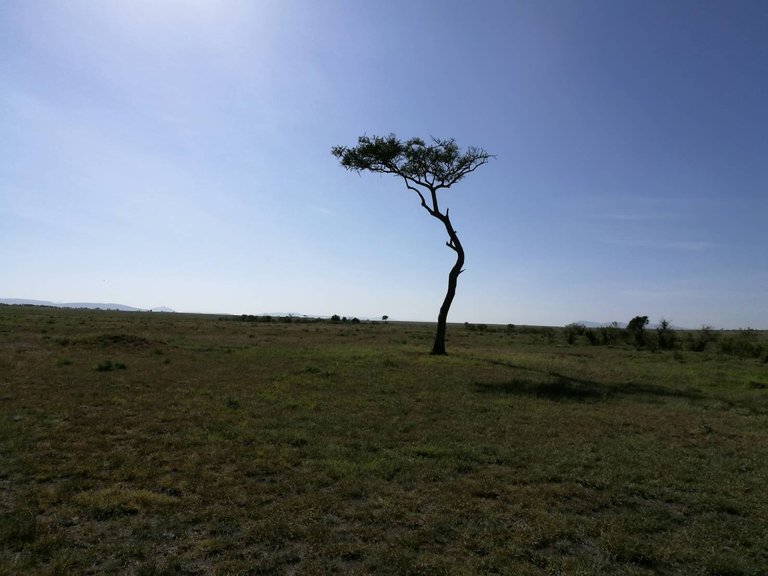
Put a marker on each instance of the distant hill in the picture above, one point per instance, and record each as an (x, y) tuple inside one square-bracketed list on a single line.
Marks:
[(591, 324), (89, 305)]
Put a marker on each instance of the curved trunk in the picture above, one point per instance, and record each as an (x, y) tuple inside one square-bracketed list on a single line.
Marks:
[(453, 279)]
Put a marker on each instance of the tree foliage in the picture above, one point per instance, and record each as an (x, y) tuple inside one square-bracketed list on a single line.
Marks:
[(636, 329), (666, 335), (435, 166)]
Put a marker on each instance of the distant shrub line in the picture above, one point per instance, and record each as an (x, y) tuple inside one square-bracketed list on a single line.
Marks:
[(267, 318), (290, 319), (744, 343)]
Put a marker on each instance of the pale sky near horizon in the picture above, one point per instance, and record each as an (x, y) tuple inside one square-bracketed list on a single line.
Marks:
[(177, 153)]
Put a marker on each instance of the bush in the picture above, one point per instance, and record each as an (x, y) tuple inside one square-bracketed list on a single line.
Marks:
[(108, 366), (573, 331), (611, 334), (699, 341), (666, 335), (636, 330), (743, 344), (601, 336)]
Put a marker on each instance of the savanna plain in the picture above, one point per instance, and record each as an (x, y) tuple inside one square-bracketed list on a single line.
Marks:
[(170, 444)]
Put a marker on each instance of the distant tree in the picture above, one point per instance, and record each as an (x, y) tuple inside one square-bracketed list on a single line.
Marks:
[(573, 331), (385, 317), (611, 334), (666, 335), (335, 318), (636, 329), (698, 342), (425, 169)]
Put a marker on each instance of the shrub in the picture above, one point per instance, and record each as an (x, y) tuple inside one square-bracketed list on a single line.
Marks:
[(666, 335), (698, 342), (573, 331), (743, 344), (105, 366), (636, 330), (108, 366), (610, 334)]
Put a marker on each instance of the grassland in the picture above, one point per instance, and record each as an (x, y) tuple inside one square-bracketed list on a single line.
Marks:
[(169, 444)]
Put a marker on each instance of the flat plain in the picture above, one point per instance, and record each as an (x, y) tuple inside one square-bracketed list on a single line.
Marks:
[(149, 444)]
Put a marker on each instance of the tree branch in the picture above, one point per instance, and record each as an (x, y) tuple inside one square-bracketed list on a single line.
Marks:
[(421, 196), (468, 170)]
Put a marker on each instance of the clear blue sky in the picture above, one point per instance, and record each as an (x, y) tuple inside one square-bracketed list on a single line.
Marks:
[(178, 153)]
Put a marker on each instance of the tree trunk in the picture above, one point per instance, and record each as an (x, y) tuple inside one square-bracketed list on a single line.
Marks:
[(453, 278)]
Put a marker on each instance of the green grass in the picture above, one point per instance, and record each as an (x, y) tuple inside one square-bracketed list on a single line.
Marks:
[(221, 447)]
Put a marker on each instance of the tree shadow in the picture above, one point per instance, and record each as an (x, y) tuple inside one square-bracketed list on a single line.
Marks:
[(557, 387)]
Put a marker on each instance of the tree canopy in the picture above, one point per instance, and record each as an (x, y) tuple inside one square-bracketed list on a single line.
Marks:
[(435, 166)]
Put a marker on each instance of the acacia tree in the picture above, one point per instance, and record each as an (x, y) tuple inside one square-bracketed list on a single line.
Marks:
[(425, 169), (636, 329)]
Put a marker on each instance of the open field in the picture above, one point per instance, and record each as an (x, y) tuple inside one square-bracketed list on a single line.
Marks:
[(151, 444)]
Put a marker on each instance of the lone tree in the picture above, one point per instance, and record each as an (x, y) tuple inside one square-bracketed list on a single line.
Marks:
[(425, 169), (636, 329)]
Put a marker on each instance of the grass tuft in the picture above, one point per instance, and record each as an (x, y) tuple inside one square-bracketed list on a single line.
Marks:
[(108, 366)]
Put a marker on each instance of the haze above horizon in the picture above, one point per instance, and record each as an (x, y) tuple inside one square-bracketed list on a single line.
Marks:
[(179, 153)]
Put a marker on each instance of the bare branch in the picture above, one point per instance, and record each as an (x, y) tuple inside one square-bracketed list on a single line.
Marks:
[(421, 196)]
